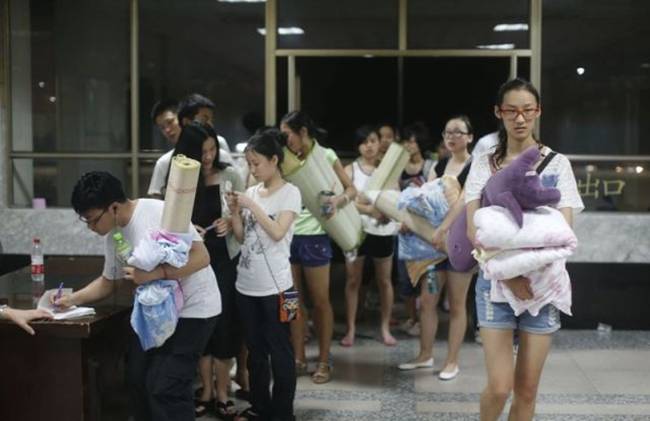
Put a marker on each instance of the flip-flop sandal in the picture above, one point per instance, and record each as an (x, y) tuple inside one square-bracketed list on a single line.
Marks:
[(202, 407)]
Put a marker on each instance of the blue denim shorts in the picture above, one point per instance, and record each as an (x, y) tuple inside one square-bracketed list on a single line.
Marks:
[(311, 250), (501, 316)]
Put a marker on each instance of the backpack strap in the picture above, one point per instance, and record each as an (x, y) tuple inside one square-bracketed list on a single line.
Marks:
[(545, 162)]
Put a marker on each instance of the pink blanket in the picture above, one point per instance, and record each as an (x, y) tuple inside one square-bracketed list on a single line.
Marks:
[(537, 251)]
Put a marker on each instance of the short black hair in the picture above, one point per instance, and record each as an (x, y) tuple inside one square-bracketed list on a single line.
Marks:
[(362, 133), (96, 190), (190, 106), (420, 132), (168, 104)]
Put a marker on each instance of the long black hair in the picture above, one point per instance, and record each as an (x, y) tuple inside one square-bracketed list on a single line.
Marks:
[(296, 120), (512, 85), (190, 144)]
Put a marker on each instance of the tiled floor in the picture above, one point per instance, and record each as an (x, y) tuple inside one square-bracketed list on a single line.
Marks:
[(588, 376)]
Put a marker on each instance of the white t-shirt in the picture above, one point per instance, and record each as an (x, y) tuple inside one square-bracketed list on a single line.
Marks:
[(161, 169), (370, 224), (558, 173), (200, 290), (259, 253), (485, 144)]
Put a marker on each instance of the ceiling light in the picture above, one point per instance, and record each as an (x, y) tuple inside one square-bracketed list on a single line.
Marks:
[(290, 30), (41, 84), (52, 99), (368, 56), (242, 1), (503, 27), (496, 46), (639, 169), (580, 71)]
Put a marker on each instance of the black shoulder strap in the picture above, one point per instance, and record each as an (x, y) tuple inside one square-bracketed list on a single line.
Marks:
[(545, 162), (464, 172)]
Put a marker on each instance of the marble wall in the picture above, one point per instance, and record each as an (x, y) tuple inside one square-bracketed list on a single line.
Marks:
[(604, 237)]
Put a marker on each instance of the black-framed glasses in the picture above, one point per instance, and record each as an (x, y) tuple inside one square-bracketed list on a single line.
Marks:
[(453, 134), (513, 113), (94, 220)]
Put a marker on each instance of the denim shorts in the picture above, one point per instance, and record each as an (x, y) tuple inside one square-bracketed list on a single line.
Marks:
[(311, 250), (501, 316)]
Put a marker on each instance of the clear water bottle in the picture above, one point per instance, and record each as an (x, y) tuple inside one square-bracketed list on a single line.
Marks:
[(38, 271), (123, 248)]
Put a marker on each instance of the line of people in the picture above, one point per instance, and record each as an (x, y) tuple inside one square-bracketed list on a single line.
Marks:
[(264, 246)]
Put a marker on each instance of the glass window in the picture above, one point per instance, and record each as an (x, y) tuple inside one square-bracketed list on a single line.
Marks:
[(69, 75), (613, 186), (206, 47), (337, 24), (467, 23), (596, 86), (437, 88), (54, 179), (341, 94)]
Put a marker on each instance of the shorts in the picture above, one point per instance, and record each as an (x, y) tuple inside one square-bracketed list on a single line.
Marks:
[(377, 246), (311, 250), (501, 316)]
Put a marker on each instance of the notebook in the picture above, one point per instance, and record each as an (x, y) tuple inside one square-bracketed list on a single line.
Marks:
[(73, 312)]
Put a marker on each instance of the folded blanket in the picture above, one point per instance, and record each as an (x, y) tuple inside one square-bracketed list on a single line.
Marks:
[(432, 202), (544, 227), (537, 251), (550, 285)]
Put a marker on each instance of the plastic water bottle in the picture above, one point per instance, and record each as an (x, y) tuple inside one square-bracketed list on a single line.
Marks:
[(38, 271), (123, 249), (432, 281)]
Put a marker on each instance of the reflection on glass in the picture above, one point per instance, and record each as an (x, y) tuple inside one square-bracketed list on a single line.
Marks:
[(69, 75), (613, 186), (468, 23), (339, 23), (206, 47), (595, 86), (54, 179)]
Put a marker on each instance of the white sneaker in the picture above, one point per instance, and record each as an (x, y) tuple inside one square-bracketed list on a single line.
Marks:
[(412, 365), (414, 330), (448, 375), (406, 325)]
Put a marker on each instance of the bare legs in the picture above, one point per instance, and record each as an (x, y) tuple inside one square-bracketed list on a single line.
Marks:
[(504, 375), (318, 283), (354, 272), (457, 286)]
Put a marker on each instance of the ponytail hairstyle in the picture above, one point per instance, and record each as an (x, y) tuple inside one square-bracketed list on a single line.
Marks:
[(512, 85), (267, 142), (296, 120)]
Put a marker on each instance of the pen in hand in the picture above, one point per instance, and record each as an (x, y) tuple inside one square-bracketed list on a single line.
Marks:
[(59, 293)]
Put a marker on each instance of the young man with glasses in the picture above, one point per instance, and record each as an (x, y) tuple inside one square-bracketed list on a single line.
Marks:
[(160, 380), (170, 116)]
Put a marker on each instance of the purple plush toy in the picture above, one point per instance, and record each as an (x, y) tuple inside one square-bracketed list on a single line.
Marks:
[(517, 187)]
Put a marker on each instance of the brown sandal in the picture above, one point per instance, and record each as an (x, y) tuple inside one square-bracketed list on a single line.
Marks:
[(323, 373)]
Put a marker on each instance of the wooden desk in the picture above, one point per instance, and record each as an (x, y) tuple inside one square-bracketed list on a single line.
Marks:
[(71, 370)]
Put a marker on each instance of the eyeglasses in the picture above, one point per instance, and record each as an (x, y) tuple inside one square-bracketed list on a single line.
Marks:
[(455, 134), (513, 113), (93, 221)]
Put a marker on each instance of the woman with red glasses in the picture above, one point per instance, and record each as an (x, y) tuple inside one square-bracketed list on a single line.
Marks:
[(517, 108)]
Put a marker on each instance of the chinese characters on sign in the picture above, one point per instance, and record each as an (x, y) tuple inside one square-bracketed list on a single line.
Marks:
[(591, 187)]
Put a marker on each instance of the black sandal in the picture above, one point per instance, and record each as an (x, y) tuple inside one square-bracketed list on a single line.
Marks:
[(225, 410), (202, 407), (248, 415), (244, 395)]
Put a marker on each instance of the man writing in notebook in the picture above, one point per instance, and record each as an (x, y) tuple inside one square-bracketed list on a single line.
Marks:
[(160, 380)]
